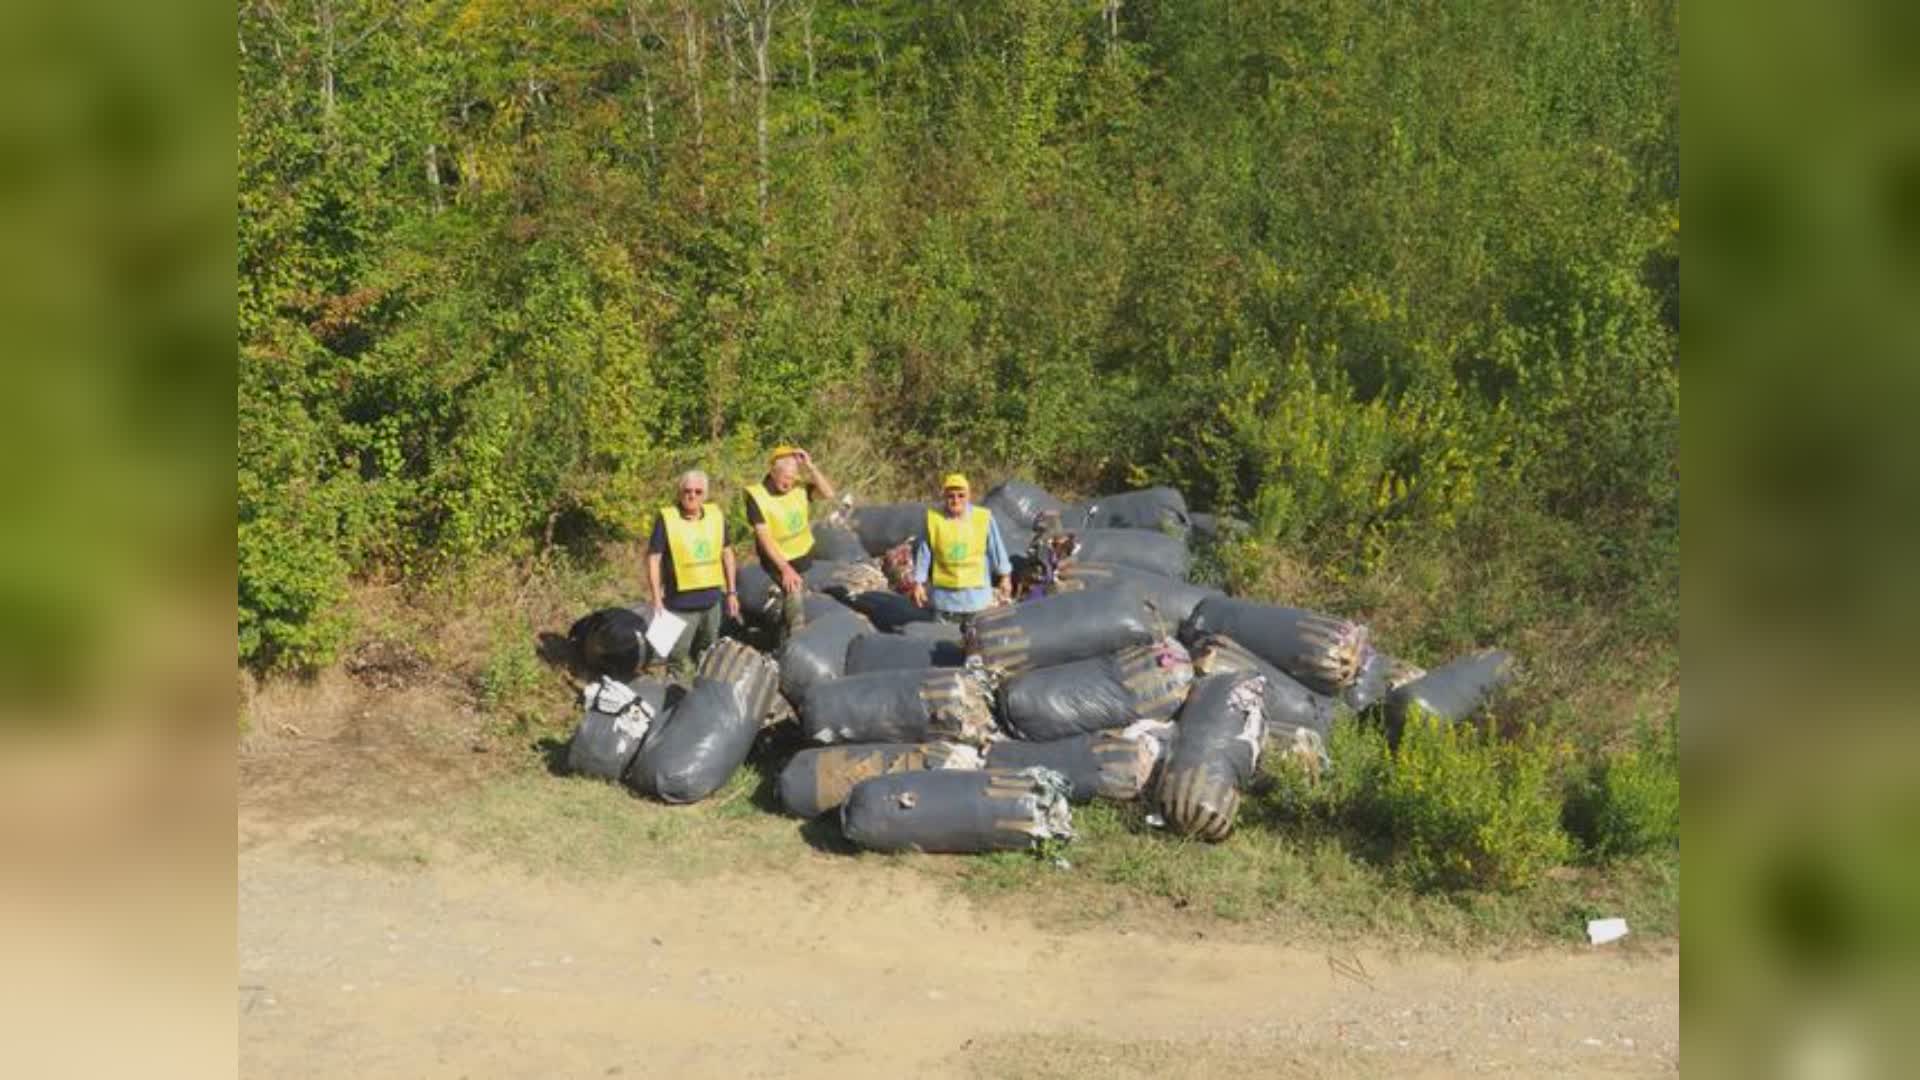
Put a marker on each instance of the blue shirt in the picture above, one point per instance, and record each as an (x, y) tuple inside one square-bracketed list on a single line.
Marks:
[(962, 601)]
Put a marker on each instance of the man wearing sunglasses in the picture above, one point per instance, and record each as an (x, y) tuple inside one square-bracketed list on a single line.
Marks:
[(959, 550), (690, 569)]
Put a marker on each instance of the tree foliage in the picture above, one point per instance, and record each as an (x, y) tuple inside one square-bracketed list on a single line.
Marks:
[(1335, 265)]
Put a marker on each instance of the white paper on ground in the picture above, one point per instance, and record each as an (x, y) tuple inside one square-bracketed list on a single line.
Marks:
[(1601, 931), (663, 631)]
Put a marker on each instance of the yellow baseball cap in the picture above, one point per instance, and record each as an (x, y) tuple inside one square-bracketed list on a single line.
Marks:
[(780, 452), (954, 480)]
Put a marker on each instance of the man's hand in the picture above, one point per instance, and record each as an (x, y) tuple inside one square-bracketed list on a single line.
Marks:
[(658, 607), (919, 595), (733, 606), (791, 581), (1002, 593)]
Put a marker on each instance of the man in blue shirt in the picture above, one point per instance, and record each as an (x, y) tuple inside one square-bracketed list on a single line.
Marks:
[(956, 553)]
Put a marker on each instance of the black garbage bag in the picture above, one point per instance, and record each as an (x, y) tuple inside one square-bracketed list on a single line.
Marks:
[(1174, 600), (835, 542), (1453, 691), (1107, 764), (1142, 549), (818, 651), (1290, 707), (1060, 629), (818, 778), (611, 641), (751, 675), (1216, 747), (1369, 688), (933, 704), (953, 811), (887, 525), (1157, 508), (1321, 651), (618, 717), (894, 652), (933, 631), (1018, 503), (1143, 682), (890, 611), (704, 739)]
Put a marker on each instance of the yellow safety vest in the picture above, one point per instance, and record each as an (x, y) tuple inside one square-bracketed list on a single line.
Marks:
[(959, 549), (786, 516), (695, 546)]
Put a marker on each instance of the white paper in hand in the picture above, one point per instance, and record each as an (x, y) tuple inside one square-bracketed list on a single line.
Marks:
[(663, 631)]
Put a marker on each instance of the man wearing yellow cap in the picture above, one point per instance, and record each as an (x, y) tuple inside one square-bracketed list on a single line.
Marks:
[(952, 561), (782, 527)]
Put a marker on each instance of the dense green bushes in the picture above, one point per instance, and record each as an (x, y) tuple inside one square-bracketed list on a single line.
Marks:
[(1344, 269)]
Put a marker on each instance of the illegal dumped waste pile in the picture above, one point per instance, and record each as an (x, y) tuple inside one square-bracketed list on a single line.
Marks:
[(1111, 677)]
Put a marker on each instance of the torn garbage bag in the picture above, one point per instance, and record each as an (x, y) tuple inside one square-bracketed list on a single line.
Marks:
[(1107, 764), (1061, 629), (962, 812), (752, 677), (704, 739), (950, 704), (1453, 691), (618, 717), (818, 778), (1290, 707), (892, 652), (1216, 747), (1144, 682), (1321, 651)]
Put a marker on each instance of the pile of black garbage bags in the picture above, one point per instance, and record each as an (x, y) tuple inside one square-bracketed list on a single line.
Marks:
[(1115, 678)]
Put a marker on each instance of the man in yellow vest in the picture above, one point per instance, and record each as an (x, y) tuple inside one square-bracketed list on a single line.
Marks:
[(782, 526), (690, 569), (960, 547)]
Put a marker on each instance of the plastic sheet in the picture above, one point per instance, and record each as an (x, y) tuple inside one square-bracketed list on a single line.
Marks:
[(894, 652), (963, 812), (1216, 748), (1060, 629), (888, 610), (836, 543), (946, 704), (1321, 651), (819, 778), (1369, 688), (1146, 682)]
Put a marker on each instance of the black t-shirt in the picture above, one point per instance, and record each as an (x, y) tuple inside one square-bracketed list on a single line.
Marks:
[(755, 517), (697, 599)]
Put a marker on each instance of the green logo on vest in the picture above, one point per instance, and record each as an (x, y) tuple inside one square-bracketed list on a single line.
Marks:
[(702, 550), (796, 520), (956, 551)]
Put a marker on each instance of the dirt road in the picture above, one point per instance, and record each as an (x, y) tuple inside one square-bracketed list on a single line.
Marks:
[(471, 970)]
